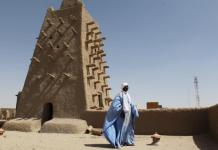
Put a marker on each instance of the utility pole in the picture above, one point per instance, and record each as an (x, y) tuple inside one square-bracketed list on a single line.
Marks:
[(196, 92)]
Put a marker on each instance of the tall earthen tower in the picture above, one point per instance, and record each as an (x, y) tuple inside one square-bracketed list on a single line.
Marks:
[(67, 75)]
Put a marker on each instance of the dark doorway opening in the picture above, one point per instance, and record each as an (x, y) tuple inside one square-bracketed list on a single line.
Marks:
[(47, 112), (100, 101)]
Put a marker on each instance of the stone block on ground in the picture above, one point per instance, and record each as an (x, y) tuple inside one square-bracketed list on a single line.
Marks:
[(23, 125), (60, 125)]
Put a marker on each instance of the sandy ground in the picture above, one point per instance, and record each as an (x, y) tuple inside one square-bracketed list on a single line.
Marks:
[(45, 141)]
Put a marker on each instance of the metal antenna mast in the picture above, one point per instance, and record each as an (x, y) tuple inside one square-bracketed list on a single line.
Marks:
[(188, 99), (196, 92)]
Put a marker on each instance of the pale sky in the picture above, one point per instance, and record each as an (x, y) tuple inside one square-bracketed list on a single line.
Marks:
[(157, 46)]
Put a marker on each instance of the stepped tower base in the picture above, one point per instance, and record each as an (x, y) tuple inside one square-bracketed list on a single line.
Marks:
[(24, 125), (60, 125)]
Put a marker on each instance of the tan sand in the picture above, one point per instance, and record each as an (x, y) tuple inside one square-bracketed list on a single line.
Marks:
[(53, 141)]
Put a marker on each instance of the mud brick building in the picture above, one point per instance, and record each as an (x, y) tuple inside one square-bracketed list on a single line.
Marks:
[(67, 74)]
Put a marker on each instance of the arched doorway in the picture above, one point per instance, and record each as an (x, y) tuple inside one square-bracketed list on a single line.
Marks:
[(47, 113)]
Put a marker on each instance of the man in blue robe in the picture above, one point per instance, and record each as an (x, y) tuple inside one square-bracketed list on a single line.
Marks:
[(119, 122)]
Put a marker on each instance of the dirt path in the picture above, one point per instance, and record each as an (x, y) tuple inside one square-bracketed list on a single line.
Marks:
[(39, 141)]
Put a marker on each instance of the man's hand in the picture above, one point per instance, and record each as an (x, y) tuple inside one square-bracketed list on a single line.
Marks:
[(122, 114)]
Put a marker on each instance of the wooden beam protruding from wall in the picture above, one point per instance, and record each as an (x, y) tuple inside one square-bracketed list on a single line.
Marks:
[(50, 75), (90, 23), (104, 86), (34, 58), (44, 33), (90, 77), (102, 44), (96, 68), (39, 46), (37, 77), (73, 18), (91, 65), (93, 107), (100, 39), (70, 57), (66, 75), (49, 22), (94, 28), (95, 82), (105, 66), (51, 45), (98, 33), (108, 89), (59, 32), (72, 28), (100, 51), (103, 55), (106, 77), (103, 62), (100, 73), (51, 58), (95, 94), (97, 58), (65, 45), (89, 41), (108, 99), (61, 20), (95, 46), (90, 33)]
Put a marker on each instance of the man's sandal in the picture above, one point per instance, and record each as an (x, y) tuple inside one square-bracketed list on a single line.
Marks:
[(131, 144)]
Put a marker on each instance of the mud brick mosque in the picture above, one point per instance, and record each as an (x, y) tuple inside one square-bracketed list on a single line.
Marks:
[(66, 87), (67, 71)]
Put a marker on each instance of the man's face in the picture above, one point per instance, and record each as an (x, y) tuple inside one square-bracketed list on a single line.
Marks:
[(126, 88)]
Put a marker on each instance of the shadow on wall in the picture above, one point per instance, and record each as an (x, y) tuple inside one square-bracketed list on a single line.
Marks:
[(213, 120), (47, 112), (205, 141)]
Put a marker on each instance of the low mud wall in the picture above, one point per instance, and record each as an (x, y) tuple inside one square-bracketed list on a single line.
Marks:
[(94, 118), (213, 120), (11, 110), (187, 121)]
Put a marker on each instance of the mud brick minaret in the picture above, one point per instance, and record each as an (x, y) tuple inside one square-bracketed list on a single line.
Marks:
[(67, 74)]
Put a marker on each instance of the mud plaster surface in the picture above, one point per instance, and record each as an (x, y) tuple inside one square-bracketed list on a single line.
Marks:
[(58, 125), (213, 120), (41, 141), (70, 97), (24, 125), (189, 121)]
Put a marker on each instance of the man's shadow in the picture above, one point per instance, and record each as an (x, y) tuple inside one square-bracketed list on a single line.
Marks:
[(99, 145)]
